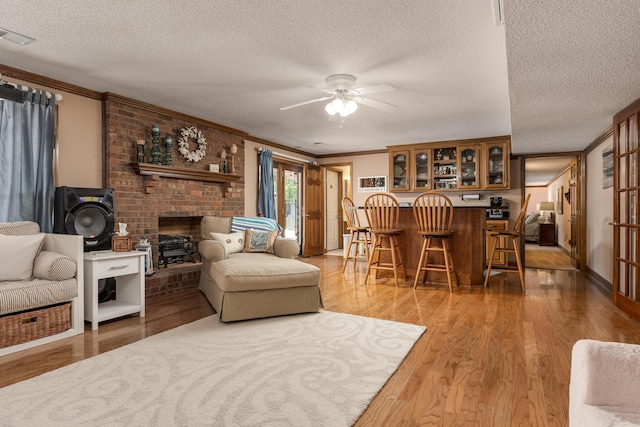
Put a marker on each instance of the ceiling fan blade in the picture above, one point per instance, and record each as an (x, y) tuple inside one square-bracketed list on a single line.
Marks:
[(306, 102), (375, 104), (373, 89)]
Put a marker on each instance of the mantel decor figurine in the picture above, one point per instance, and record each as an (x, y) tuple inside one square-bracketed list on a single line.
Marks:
[(140, 151), (168, 143), (155, 152), (233, 150), (223, 156)]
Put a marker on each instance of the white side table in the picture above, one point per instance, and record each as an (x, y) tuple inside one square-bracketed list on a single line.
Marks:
[(128, 268)]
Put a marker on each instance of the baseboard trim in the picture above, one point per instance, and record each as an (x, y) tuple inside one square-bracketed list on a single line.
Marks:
[(601, 283)]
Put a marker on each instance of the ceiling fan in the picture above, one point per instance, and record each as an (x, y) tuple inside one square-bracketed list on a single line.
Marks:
[(345, 98)]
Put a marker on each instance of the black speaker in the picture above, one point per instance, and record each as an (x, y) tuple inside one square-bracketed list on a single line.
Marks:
[(86, 212)]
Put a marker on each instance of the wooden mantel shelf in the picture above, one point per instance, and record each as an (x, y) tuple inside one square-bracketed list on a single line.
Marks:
[(171, 172)]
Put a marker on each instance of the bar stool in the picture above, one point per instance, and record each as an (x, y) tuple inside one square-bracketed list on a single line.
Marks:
[(383, 212), (433, 213), (503, 237), (358, 234)]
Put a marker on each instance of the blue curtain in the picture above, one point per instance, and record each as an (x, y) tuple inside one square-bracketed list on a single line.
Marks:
[(26, 159), (266, 194)]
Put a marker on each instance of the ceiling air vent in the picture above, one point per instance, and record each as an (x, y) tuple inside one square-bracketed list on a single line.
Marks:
[(15, 37)]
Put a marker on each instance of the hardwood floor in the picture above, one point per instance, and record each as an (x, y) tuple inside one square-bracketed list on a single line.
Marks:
[(491, 357)]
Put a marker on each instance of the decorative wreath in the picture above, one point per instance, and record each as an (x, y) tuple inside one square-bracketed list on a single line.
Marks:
[(188, 133)]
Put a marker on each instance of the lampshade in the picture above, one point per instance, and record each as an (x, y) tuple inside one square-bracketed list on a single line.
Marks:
[(545, 206)]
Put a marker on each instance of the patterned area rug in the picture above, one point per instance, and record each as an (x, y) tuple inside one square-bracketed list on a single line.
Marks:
[(319, 369)]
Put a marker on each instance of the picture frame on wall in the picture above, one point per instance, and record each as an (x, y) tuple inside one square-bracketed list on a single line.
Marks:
[(372, 184), (559, 201), (607, 166)]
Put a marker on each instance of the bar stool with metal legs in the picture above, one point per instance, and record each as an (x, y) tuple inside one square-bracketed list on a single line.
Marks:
[(382, 211), (359, 237), (500, 242), (433, 213)]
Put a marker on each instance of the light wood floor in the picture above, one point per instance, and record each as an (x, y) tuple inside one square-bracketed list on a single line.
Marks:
[(551, 257), (491, 357)]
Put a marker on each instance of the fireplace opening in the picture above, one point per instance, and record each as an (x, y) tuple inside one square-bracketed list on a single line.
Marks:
[(178, 239)]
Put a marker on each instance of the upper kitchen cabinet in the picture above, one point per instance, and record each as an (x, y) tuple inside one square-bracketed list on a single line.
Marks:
[(471, 164), (497, 155), (399, 170)]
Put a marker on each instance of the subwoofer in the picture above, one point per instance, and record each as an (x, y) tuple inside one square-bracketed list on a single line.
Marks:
[(87, 212)]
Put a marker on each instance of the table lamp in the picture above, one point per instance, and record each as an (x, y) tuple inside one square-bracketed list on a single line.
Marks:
[(547, 208)]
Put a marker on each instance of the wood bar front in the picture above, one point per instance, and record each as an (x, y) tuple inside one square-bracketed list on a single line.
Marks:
[(468, 245)]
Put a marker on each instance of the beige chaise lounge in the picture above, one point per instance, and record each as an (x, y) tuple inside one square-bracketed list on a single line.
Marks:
[(248, 285)]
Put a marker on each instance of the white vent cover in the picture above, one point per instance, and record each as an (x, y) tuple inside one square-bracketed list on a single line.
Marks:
[(15, 37)]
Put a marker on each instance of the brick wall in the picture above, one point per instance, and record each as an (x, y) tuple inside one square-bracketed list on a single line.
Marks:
[(141, 200)]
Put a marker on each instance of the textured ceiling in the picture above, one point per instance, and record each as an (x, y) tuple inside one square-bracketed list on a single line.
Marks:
[(553, 81)]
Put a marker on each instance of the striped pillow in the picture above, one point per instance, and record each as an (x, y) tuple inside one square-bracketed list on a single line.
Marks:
[(54, 266), (254, 223)]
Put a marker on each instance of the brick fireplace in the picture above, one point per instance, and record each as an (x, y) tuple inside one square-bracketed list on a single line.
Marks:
[(154, 203)]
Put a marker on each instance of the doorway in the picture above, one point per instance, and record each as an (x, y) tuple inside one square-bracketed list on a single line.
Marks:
[(551, 225), (338, 185), (287, 184)]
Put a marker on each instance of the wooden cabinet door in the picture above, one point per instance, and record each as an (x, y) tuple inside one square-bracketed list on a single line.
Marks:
[(421, 172), (497, 156), (400, 170), (499, 258), (469, 167)]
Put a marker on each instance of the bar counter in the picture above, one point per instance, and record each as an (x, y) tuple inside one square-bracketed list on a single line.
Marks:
[(468, 245)]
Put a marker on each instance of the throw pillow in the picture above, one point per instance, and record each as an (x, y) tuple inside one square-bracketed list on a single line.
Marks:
[(54, 266), (259, 241), (241, 223), (17, 254), (232, 242)]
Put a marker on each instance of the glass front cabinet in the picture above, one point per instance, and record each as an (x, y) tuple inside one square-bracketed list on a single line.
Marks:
[(422, 169), (497, 165), (459, 165), (470, 167), (399, 169)]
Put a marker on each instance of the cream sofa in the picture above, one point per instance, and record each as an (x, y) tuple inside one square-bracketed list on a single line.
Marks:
[(55, 275), (243, 285), (605, 384)]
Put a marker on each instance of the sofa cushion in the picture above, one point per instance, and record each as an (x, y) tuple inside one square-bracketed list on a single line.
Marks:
[(28, 294), (54, 266), (259, 241), (17, 254), (232, 242), (258, 271)]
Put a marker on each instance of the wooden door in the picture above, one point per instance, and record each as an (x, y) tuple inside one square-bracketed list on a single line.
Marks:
[(626, 244), (312, 211), (574, 201)]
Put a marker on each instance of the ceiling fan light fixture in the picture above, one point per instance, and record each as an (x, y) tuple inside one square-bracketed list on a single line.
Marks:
[(334, 107), (350, 106)]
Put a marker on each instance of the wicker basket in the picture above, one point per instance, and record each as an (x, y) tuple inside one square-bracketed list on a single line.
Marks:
[(18, 328)]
